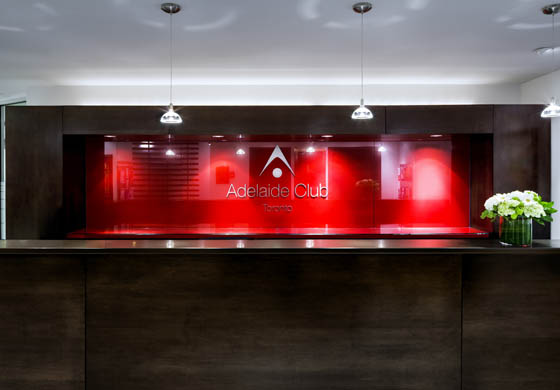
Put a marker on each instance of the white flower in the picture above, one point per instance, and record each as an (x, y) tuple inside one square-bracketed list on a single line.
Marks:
[(524, 197), (530, 194), (515, 194), (533, 210), (492, 202), (505, 209), (521, 204), (501, 197)]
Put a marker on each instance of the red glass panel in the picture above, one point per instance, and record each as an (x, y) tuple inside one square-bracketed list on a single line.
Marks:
[(191, 186)]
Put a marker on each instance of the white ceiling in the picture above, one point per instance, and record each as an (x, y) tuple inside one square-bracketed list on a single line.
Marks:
[(125, 42)]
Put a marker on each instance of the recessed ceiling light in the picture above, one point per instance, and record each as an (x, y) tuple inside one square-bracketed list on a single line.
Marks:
[(217, 136), (545, 51), (327, 136), (436, 135)]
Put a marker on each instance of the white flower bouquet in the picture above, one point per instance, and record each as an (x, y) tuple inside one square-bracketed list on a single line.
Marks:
[(517, 204)]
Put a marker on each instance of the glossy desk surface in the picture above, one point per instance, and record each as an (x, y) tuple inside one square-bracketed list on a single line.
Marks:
[(384, 232), (324, 246)]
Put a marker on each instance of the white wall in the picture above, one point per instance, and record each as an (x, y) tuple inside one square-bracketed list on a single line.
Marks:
[(275, 95), (539, 91), (555, 174)]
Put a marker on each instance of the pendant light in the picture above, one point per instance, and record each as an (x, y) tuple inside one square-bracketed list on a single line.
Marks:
[(310, 148), (240, 151), (171, 117), (362, 112), (552, 110), (169, 152)]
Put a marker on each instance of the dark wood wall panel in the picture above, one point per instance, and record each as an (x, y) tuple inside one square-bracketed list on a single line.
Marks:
[(439, 119), (33, 172), (522, 153), (273, 322), (95, 181), (511, 332), (222, 120), (35, 162), (74, 182), (41, 323), (481, 178)]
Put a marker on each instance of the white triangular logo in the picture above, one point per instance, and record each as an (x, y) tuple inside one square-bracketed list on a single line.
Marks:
[(277, 153)]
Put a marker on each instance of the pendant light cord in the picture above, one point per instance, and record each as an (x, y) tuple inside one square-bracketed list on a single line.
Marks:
[(171, 56), (362, 57), (553, 99), (553, 41)]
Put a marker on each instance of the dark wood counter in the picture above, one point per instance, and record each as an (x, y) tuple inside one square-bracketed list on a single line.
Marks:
[(279, 314)]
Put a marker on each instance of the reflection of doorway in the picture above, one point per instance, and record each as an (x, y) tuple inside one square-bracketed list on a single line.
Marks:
[(355, 173), (355, 176), (108, 177), (125, 180)]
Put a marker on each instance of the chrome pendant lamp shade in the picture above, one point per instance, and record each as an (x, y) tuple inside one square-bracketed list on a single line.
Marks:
[(552, 110), (362, 112), (171, 117)]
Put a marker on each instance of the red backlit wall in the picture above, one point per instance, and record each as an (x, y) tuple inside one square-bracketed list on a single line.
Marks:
[(188, 185)]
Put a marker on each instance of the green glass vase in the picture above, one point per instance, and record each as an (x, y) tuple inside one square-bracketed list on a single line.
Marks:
[(516, 232)]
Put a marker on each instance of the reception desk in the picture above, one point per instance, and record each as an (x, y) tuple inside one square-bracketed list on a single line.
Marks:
[(279, 314)]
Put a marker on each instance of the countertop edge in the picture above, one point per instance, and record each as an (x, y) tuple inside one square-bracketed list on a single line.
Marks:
[(271, 247)]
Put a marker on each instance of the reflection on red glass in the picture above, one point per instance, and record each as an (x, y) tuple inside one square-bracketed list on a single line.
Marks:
[(285, 187), (432, 173)]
